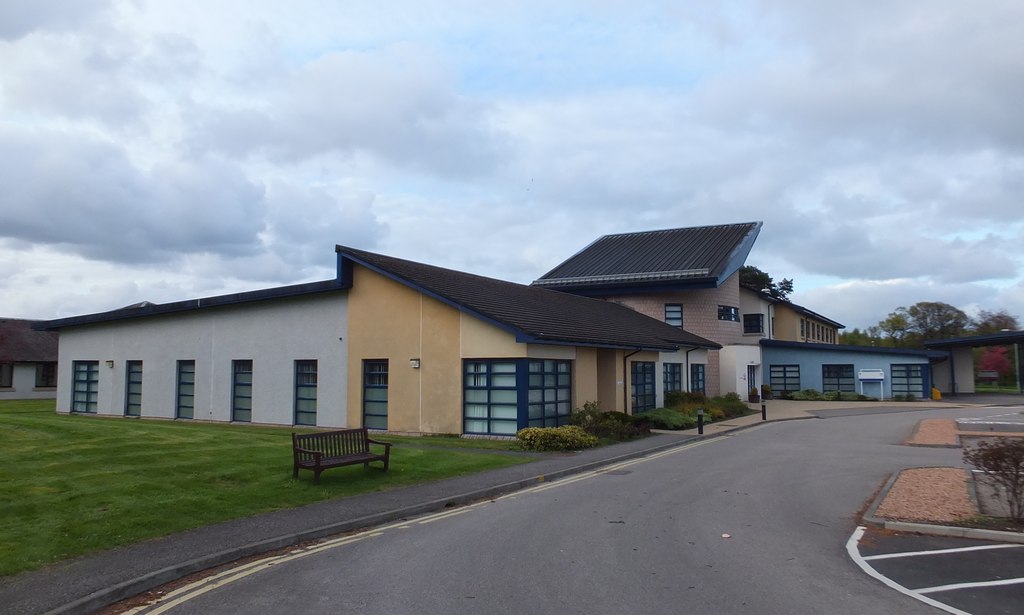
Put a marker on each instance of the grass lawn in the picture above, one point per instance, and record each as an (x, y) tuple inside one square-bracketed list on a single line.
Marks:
[(71, 485)]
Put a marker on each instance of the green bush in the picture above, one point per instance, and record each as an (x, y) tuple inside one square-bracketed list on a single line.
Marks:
[(667, 418), (907, 397), (807, 395), (730, 404), (677, 400), (564, 438), (611, 425)]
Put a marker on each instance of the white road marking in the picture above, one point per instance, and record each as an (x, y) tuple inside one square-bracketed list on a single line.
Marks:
[(955, 586), (939, 551), (854, 553)]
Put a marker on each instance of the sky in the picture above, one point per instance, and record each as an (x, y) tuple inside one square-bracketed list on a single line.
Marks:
[(166, 150)]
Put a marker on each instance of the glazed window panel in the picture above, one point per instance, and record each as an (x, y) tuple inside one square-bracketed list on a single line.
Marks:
[(838, 378), (753, 323), (241, 390), (908, 379), (85, 386), (728, 312), (46, 375), (697, 372), (185, 403), (550, 382), (375, 394), (673, 377), (642, 385), (491, 398), (305, 392), (6, 375), (784, 378), (133, 388), (674, 314)]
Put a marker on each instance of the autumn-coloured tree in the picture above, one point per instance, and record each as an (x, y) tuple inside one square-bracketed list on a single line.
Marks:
[(996, 359)]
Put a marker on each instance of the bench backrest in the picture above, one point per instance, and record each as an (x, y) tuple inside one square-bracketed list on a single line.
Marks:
[(335, 443)]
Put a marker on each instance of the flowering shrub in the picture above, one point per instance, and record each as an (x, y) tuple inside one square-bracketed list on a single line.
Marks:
[(564, 438)]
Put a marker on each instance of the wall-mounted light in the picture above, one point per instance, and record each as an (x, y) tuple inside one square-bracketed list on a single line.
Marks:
[(414, 363), (110, 364)]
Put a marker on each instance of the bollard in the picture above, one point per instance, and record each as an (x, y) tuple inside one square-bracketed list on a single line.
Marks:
[(764, 412), (700, 421)]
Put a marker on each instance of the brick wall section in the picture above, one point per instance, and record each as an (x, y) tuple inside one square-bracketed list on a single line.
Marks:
[(700, 316)]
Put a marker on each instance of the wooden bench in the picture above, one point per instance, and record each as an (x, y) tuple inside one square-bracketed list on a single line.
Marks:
[(333, 449)]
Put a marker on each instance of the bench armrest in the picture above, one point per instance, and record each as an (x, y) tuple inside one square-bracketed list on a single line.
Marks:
[(386, 445), (316, 454)]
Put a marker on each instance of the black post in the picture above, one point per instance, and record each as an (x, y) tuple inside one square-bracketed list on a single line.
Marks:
[(764, 412), (700, 421)]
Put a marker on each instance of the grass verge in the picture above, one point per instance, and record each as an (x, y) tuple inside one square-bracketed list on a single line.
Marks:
[(73, 485)]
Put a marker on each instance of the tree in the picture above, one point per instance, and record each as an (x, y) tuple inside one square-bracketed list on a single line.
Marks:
[(872, 336), (1002, 463), (996, 359), (753, 278), (993, 322), (932, 320), (896, 326)]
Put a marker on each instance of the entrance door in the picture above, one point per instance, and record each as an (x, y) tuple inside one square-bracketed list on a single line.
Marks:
[(752, 379)]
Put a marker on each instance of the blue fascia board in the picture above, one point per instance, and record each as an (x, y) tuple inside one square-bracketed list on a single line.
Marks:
[(630, 289), (912, 352)]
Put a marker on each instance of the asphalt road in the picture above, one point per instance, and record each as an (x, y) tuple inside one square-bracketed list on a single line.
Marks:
[(752, 522)]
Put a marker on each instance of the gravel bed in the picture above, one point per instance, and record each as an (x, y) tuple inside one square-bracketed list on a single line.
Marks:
[(930, 495)]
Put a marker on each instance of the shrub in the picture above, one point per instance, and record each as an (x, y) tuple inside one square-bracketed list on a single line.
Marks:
[(1003, 464), (564, 438), (680, 399), (611, 425), (667, 418), (730, 405), (807, 395)]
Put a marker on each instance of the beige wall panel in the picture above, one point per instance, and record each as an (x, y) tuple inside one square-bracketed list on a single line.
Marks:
[(609, 380), (585, 377), (481, 340), (441, 369)]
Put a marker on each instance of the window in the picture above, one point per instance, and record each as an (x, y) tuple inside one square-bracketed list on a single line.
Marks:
[(133, 388), (185, 408), (803, 328), (490, 397), (784, 378), (674, 314), (837, 378), (6, 375), (241, 390), (727, 312), (86, 381), (375, 394), (46, 375), (908, 379), (642, 385), (753, 323), (673, 377), (697, 378), (549, 401), (305, 392)]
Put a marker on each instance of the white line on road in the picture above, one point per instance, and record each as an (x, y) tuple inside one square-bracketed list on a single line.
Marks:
[(854, 553), (939, 551), (955, 586)]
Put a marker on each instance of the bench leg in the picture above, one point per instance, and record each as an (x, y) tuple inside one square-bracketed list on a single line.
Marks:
[(295, 470), (316, 476)]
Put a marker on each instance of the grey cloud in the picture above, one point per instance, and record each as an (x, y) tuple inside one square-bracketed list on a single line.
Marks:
[(21, 17), (395, 105), (88, 197)]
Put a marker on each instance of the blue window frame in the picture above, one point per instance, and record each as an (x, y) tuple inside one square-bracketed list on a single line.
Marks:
[(697, 378), (837, 378), (909, 379), (46, 375), (305, 391), (491, 397), (185, 403), (642, 386), (86, 381), (784, 378), (133, 388), (375, 394), (549, 401), (241, 390), (673, 377)]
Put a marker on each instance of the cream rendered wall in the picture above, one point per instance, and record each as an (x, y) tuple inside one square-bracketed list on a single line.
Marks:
[(963, 363), (273, 334), (734, 360), (610, 381)]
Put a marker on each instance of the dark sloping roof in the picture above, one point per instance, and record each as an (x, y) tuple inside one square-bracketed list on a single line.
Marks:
[(146, 308), (19, 342), (932, 355), (532, 314), (799, 309), (1003, 338), (701, 256)]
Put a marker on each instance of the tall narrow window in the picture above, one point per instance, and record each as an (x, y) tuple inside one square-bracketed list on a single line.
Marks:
[(375, 394), (6, 375), (46, 375), (550, 393), (491, 397), (305, 392), (241, 390), (185, 408), (642, 385), (697, 378), (673, 377), (674, 314), (86, 378), (133, 388)]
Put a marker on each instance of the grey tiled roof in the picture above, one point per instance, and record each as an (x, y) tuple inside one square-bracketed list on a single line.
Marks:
[(695, 255), (533, 314), (20, 343)]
